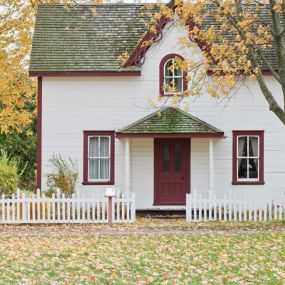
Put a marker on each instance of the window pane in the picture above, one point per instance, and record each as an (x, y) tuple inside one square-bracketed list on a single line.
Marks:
[(253, 146), (165, 157), (242, 146), (178, 85), (168, 83), (168, 68), (253, 168), (93, 168), (242, 168), (104, 146), (177, 70), (178, 157), (104, 168), (93, 146)]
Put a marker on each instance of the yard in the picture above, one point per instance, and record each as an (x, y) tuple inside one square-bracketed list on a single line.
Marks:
[(152, 251)]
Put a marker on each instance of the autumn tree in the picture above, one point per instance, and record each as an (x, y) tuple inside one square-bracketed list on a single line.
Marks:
[(17, 89), (234, 47), (238, 39)]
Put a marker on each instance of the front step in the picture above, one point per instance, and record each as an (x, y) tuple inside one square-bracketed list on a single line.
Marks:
[(162, 214)]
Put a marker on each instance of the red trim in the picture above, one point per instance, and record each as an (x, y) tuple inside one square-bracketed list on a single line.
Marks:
[(179, 135), (86, 134), (261, 160), (161, 73), (83, 73), (39, 133), (137, 57)]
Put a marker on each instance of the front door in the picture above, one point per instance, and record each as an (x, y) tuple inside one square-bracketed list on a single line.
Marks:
[(171, 171)]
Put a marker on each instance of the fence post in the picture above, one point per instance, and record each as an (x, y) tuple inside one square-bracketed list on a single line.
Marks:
[(110, 194), (195, 204), (38, 204), (133, 209), (24, 214), (110, 216), (18, 205), (3, 208), (188, 207)]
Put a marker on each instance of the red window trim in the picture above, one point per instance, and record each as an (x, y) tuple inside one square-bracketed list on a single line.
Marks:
[(161, 73), (86, 134), (235, 180)]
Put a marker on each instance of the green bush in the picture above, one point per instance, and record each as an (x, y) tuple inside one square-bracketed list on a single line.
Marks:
[(63, 177), (22, 146), (9, 174)]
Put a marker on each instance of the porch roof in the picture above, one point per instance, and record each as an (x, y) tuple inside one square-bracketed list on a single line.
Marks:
[(169, 122)]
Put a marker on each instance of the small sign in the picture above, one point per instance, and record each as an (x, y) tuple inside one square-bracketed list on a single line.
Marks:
[(110, 192)]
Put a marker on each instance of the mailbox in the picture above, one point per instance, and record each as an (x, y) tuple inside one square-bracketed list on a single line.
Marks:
[(110, 192)]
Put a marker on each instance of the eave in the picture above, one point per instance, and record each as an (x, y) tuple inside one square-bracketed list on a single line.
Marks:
[(83, 73)]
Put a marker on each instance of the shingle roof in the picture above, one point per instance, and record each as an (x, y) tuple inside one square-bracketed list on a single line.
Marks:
[(76, 40), (264, 16), (169, 120)]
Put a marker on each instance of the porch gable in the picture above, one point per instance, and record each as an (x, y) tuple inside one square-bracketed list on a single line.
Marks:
[(169, 121)]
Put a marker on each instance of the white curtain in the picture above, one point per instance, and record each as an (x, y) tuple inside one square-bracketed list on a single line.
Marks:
[(99, 157), (242, 150), (254, 146)]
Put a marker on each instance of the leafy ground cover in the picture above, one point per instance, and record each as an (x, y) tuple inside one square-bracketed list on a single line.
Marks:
[(152, 251)]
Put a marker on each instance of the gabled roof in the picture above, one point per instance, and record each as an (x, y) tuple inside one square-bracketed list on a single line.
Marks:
[(75, 40), (137, 56), (170, 120)]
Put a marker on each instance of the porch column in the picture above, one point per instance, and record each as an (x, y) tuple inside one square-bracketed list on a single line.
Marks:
[(128, 180), (211, 164)]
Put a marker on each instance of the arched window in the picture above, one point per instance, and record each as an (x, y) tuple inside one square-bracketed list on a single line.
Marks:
[(172, 77)]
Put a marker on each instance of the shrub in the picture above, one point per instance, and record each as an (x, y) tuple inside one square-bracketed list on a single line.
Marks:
[(9, 173), (21, 145), (63, 177)]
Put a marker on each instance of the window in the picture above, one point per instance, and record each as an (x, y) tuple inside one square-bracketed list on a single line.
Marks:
[(98, 166), (165, 157), (248, 157), (172, 77)]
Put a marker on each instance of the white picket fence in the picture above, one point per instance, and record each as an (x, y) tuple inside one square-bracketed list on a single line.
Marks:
[(230, 208), (37, 208)]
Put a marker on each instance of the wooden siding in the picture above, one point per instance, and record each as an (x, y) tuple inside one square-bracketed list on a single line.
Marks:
[(72, 105)]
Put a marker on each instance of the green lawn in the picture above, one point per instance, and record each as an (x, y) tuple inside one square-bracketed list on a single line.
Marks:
[(216, 253)]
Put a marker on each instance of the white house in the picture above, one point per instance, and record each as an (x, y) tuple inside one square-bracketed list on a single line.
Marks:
[(95, 111)]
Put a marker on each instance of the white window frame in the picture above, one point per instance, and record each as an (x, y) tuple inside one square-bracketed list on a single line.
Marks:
[(248, 157), (99, 157), (172, 77)]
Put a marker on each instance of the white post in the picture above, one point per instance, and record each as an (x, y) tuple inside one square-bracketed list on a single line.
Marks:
[(211, 164), (128, 165)]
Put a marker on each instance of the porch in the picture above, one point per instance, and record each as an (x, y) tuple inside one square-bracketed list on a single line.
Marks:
[(164, 153)]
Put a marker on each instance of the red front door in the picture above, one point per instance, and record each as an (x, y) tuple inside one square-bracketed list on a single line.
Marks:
[(171, 171)]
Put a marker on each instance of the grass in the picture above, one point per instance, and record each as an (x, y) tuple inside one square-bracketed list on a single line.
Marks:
[(212, 253)]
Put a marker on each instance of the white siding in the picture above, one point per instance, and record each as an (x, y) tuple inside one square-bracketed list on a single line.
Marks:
[(142, 172), (72, 105)]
